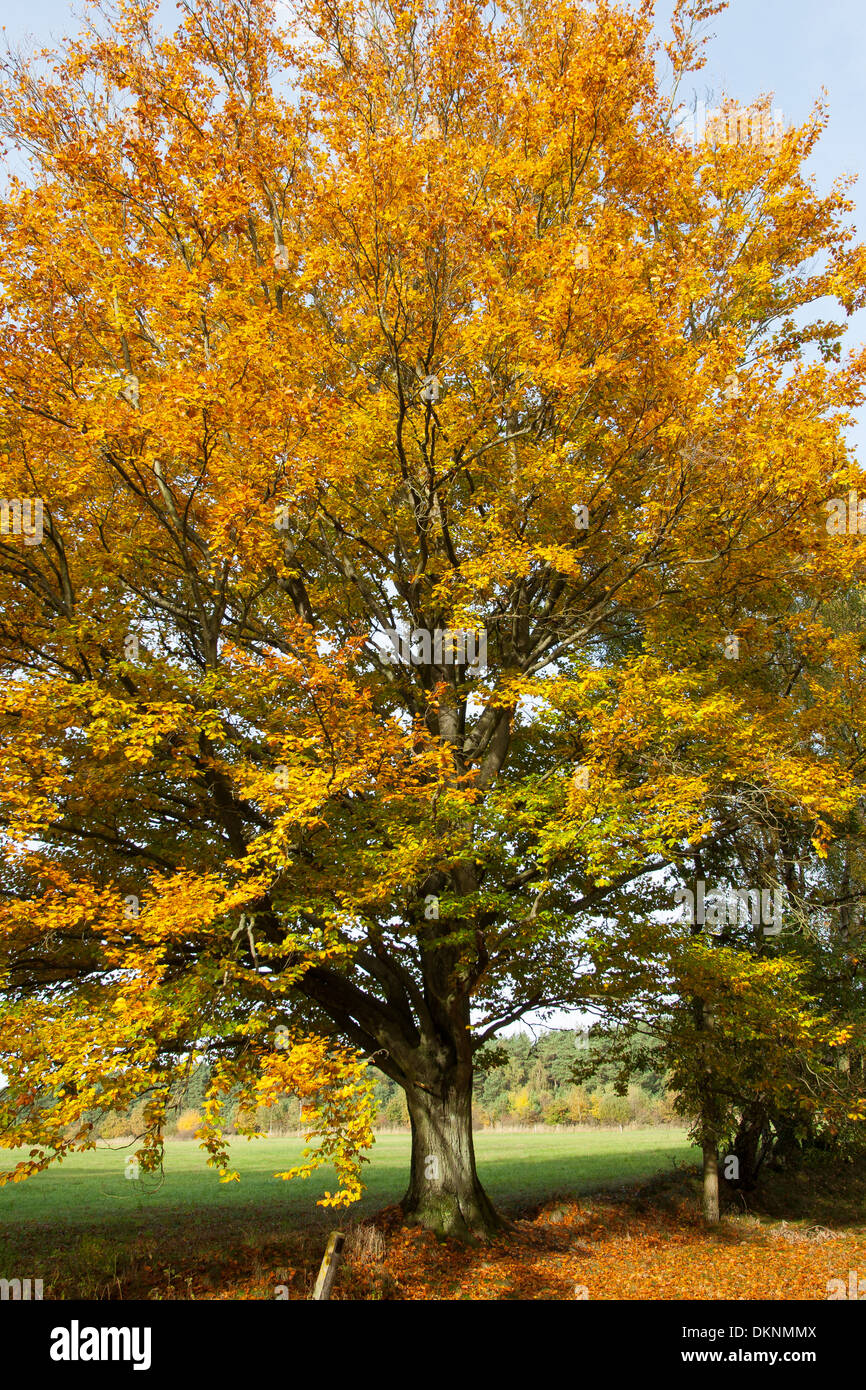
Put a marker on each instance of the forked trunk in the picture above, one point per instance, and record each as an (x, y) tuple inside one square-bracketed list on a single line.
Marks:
[(444, 1193)]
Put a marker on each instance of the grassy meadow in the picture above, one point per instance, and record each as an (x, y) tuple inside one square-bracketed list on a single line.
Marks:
[(88, 1231)]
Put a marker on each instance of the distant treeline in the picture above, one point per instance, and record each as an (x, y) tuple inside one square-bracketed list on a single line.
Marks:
[(520, 1080)]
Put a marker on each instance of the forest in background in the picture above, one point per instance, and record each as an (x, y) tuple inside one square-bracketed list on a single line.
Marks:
[(560, 1077)]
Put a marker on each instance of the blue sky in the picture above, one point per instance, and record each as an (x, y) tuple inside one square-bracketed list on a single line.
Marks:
[(792, 48)]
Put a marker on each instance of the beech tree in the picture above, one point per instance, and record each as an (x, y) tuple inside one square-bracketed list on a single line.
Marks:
[(757, 1049), (418, 445)]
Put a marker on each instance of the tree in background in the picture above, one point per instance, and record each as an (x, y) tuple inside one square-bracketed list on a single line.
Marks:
[(420, 428), (762, 1050)]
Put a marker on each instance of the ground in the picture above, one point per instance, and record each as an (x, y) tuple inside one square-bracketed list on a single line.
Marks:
[(596, 1214)]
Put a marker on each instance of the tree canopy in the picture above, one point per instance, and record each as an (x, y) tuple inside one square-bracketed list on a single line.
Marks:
[(418, 320)]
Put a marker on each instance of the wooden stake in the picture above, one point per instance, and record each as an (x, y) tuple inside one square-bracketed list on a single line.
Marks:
[(328, 1270)]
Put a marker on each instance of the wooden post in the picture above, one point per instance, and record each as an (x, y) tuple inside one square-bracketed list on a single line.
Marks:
[(328, 1270)]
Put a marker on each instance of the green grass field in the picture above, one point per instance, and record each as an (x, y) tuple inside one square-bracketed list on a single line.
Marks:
[(83, 1226)]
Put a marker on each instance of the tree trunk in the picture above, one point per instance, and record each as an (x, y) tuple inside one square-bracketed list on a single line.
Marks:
[(750, 1146), (444, 1193), (711, 1184)]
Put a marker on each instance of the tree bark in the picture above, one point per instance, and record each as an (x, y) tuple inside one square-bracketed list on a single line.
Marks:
[(419, 1034), (711, 1184), (444, 1193), (750, 1146)]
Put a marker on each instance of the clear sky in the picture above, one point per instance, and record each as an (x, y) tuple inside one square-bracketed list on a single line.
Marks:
[(794, 49)]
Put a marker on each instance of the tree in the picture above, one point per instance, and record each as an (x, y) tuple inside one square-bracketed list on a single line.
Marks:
[(759, 1023), (769, 1052), (420, 426)]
